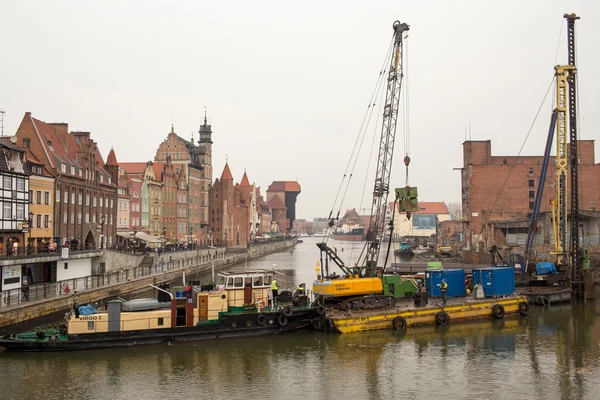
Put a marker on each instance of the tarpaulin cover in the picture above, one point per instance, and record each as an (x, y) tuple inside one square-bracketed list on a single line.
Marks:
[(86, 310), (544, 268)]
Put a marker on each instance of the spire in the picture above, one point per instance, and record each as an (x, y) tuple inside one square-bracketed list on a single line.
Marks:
[(226, 173), (245, 182), (112, 158), (172, 129), (205, 131)]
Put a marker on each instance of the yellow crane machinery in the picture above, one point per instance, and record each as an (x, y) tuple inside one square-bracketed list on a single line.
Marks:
[(361, 286), (570, 258)]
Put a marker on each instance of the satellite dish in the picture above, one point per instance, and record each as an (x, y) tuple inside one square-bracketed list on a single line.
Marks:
[(13, 139)]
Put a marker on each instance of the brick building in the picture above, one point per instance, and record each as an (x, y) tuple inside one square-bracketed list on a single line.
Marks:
[(286, 193), (496, 212), (85, 195), (196, 159)]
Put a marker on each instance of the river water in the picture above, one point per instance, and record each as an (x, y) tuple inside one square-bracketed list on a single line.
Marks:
[(554, 353)]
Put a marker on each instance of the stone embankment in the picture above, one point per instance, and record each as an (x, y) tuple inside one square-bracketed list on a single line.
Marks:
[(178, 261)]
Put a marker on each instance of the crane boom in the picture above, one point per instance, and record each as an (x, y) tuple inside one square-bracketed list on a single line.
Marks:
[(386, 151)]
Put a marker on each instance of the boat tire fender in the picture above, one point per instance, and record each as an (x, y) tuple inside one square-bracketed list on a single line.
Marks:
[(329, 326), (321, 310), (523, 308), (442, 318), (260, 320), (399, 323), (287, 311), (498, 311), (282, 320)]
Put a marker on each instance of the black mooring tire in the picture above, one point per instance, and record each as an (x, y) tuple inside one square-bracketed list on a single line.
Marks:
[(399, 323), (523, 308), (260, 320), (442, 318), (282, 320), (287, 311), (498, 311)]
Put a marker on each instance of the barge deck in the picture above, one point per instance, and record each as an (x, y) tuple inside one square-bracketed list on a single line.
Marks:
[(405, 314)]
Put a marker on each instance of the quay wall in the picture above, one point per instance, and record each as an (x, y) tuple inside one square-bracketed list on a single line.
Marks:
[(223, 257)]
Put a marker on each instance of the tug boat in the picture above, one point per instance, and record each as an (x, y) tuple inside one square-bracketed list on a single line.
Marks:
[(239, 305)]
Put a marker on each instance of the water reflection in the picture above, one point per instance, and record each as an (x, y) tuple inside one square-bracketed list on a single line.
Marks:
[(553, 353)]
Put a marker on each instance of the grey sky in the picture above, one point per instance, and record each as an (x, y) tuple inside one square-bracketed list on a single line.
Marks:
[(286, 84)]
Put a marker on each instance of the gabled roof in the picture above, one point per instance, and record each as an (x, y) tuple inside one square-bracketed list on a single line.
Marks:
[(133, 168), (284, 186), (276, 203)]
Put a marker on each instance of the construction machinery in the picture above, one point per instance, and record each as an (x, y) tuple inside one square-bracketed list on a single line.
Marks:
[(568, 253), (361, 286)]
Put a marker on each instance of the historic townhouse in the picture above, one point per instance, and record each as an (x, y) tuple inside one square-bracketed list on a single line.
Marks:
[(85, 194), (41, 203), (14, 181), (196, 160)]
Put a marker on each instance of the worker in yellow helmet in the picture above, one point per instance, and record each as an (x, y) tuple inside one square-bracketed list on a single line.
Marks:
[(274, 288)]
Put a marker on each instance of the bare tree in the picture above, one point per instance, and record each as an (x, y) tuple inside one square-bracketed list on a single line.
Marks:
[(455, 210)]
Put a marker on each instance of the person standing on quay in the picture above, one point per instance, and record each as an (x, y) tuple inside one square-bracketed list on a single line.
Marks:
[(444, 289)]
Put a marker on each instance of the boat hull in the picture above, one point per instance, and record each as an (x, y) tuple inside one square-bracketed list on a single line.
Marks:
[(230, 326)]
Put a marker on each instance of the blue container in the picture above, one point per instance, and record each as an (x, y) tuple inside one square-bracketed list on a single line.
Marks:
[(496, 281), (454, 277)]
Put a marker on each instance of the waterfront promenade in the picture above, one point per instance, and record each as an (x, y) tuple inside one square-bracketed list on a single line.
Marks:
[(46, 299)]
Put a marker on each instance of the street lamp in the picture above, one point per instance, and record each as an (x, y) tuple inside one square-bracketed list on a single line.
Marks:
[(102, 232)]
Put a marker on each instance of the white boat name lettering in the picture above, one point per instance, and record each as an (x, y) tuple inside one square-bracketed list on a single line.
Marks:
[(91, 318)]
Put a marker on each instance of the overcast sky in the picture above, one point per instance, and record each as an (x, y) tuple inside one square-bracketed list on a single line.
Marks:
[(286, 84)]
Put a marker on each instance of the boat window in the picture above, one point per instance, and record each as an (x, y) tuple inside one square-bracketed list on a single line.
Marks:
[(90, 325), (238, 281), (221, 281), (248, 281), (161, 321), (258, 281), (230, 282), (267, 280)]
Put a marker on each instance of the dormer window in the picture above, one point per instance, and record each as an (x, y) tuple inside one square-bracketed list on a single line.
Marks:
[(109, 180), (72, 170), (101, 178), (63, 168)]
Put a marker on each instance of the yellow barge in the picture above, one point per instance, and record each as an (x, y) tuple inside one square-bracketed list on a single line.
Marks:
[(405, 314)]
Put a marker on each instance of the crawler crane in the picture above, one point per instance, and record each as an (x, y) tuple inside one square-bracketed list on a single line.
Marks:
[(361, 286)]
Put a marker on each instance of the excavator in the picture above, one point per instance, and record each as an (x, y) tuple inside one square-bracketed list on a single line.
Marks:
[(362, 286)]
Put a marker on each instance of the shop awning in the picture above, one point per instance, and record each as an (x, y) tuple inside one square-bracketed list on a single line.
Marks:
[(126, 235), (148, 238)]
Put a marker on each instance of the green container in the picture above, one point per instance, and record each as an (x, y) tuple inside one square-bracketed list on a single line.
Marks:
[(394, 285), (433, 265)]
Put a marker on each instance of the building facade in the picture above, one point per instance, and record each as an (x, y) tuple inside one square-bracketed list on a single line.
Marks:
[(498, 193), (196, 160), (286, 192), (85, 196), (14, 178)]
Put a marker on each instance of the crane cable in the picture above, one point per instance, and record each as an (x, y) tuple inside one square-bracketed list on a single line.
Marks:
[(487, 217), (530, 128), (359, 139), (406, 107)]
